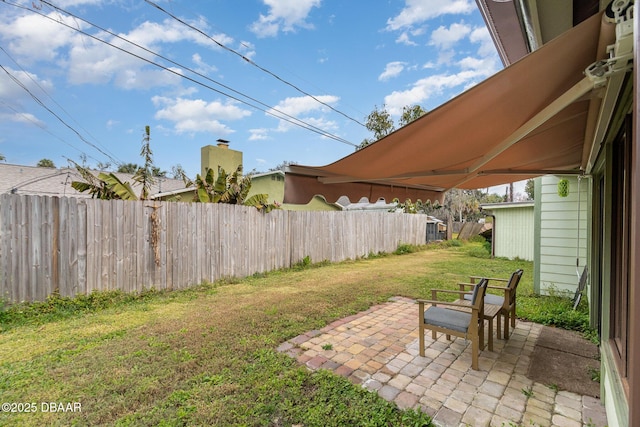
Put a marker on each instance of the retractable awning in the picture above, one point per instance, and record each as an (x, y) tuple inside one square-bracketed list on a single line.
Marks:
[(527, 120)]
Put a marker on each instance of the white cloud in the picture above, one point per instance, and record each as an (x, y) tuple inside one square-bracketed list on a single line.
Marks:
[(23, 118), (284, 15), (445, 38), (247, 49), (406, 36), (393, 69), (302, 108), (481, 36), (303, 104), (197, 115), (259, 134), (403, 38), (69, 3), (417, 11), (35, 38), (9, 89), (201, 66)]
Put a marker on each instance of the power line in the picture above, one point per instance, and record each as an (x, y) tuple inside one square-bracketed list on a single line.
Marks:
[(279, 116), (28, 118), (118, 161), (248, 60), (38, 101)]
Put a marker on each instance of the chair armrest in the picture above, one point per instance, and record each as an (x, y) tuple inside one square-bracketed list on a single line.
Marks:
[(495, 279), (498, 287), (466, 285), (460, 293), (451, 304)]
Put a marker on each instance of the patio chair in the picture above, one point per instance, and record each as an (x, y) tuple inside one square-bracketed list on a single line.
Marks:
[(454, 319), (507, 302)]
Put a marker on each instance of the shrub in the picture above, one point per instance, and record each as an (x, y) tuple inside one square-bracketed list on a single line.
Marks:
[(405, 248)]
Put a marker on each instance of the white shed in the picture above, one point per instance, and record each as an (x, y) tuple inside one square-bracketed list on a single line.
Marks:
[(513, 229)]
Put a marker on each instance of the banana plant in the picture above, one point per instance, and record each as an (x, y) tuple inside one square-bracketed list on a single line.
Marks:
[(105, 186), (228, 188)]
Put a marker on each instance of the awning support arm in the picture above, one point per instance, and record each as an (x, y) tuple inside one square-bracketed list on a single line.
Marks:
[(574, 93)]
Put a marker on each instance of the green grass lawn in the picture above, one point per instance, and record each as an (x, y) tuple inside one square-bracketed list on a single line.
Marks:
[(207, 356)]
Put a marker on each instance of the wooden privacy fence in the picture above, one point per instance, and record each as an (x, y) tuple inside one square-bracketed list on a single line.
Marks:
[(75, 246)]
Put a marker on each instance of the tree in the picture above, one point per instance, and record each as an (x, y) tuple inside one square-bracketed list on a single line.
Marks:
[(178, 172), (131, 168), (2, 158), (459, 205), (282, 166), (411, 113), (381, 124), (529, 189), (103, 166), (46, 163)]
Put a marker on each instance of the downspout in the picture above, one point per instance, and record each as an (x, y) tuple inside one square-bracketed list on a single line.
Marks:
[(493, 236)]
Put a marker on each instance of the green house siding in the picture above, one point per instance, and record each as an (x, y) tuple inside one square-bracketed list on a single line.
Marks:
[(561, 234), (271, 184)]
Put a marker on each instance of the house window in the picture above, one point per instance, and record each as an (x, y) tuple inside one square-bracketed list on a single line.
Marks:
[(620, 243)]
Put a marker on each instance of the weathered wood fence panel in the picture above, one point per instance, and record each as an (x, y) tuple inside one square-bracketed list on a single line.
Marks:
[(67, 246)]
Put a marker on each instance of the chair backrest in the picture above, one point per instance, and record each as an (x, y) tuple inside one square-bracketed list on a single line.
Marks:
[(513, 284), (477, 297)]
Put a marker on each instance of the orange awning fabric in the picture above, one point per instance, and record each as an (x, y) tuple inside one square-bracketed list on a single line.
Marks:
[(527, 120)]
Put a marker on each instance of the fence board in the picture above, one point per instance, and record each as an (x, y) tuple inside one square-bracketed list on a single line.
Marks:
[(50, 244)]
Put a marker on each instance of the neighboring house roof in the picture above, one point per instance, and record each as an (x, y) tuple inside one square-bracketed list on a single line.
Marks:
[(40, 181), (507, 205), (259, 175)]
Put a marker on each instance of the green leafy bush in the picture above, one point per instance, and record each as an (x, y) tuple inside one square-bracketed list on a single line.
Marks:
[(556, 310), (405, 248)]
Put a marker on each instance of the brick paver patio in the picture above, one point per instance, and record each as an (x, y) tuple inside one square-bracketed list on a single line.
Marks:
[(378, 349)]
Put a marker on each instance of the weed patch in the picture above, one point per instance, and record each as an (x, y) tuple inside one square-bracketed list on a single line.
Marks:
[(554, 310)]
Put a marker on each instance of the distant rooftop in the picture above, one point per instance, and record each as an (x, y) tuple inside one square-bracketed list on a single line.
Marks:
[(38, 181)]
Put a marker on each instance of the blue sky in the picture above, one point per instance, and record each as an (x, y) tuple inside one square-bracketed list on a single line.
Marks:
[(325, 63)]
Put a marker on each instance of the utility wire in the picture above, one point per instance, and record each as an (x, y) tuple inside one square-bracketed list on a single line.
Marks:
[(54, 101), (251, 62), (30, 119), (280, 115), (293, 120), (37, 100)]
